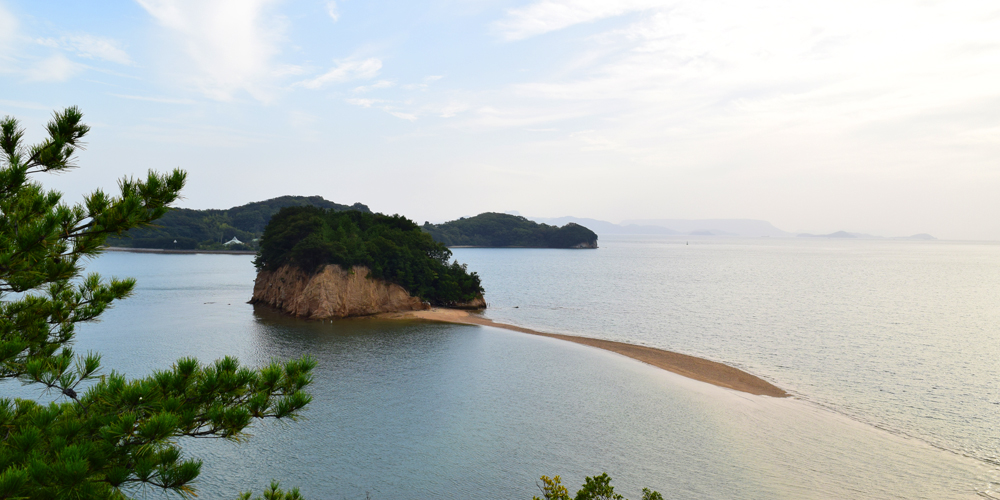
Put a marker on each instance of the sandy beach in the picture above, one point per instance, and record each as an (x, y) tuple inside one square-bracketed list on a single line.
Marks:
[(681, 364)]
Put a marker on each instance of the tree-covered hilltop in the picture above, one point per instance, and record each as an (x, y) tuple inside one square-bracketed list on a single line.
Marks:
[(493, 229), (209, 229), (393, 248)]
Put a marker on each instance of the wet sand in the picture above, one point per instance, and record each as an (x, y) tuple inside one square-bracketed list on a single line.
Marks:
[(681, 364)]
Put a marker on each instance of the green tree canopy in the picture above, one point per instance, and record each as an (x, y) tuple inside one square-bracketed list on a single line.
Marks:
[(105, 436), (393, 248)]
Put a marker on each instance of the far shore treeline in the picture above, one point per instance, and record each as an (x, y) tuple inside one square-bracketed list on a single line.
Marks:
[(493, 229), (393, 248), (187, 229)]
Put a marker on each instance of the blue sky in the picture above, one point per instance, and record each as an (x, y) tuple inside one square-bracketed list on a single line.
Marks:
[(878, 116)]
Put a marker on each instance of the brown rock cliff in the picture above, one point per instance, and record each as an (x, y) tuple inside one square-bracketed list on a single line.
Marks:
[(331, 293)]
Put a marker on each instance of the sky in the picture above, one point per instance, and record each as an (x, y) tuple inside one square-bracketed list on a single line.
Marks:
[(880, 117)]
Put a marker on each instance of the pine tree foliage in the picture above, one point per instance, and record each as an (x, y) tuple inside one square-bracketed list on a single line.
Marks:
[(274, 492), (105, 436)]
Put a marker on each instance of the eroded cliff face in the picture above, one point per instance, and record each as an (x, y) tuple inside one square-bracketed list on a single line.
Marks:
[(331, 293)]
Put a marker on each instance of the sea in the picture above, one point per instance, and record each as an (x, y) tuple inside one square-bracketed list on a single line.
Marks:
[(889, 348)]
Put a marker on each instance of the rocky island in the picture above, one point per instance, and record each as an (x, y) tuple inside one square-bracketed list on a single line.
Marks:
[(323, 263), (498, 230)]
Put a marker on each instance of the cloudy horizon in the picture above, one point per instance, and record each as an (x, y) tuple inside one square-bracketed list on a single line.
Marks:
[(869, 117)]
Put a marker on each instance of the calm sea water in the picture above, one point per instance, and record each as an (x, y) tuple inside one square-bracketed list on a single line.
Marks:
[(899, 334), (891, 349)]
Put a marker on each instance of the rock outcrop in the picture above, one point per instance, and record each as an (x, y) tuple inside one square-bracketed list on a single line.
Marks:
[(477, 303), (331, 293)]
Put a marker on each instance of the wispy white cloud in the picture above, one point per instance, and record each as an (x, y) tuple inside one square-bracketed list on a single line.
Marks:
[(331, 10), (229, 45), (551, 15), (391, 107), (343, 71), (8, 31), (427, 80), (403, 116), (24, 105), (364, 103), (164, 100), (381, 84), (728, 67), (90, 47), (282, 70), (451, 108), (55, 68)]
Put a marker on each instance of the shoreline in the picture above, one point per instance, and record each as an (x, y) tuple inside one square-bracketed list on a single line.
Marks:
[(692, 367), (160, 250)]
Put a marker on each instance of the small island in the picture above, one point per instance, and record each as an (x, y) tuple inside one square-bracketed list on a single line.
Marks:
[(324, 263), (493, 229)]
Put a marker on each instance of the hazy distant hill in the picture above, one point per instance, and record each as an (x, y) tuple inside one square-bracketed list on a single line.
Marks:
[(706, 227), (838, 234), (185, 229), (863, 236), (718, 227), (921, 236)]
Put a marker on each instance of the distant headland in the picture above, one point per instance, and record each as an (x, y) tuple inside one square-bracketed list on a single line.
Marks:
[(498, 230)]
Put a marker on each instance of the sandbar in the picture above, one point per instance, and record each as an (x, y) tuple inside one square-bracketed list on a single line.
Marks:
[(689, 366)]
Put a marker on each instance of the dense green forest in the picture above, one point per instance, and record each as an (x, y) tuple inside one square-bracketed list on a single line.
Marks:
[(392, 247), (493, 229), (186, 229)]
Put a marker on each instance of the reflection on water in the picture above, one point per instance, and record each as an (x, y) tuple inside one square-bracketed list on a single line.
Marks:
[(423, 410)]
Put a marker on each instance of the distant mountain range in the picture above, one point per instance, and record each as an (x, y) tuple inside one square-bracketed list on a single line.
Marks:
[(863, 236), (705, 227)]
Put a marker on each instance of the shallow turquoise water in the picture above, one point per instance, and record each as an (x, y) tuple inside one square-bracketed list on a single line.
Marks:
[(421, 410)]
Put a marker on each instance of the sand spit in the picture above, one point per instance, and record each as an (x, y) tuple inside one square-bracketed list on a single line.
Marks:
[(681, 364)]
